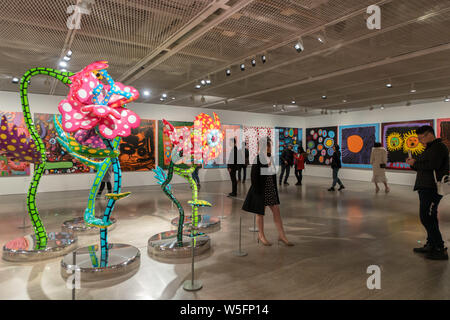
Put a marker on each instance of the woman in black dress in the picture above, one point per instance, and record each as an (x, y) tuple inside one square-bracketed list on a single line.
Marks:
[(264, 193)]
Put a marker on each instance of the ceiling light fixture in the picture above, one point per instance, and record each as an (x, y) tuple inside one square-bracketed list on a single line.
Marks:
[(15, 80), (63, 64), (382, 107), (253, 62), (293, 101), (203, 82), (263, 58), (413, 90), (66, 58), (324, 96), (164, 95), (228, 72), (208, 82), (242, 67), (198, 86), (299, 46), (389, 84), (146, 93), (69, 53), (447, 99)]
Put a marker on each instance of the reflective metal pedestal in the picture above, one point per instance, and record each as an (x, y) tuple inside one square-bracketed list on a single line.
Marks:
[(78, 227), (23, 249), (90, 264), (206, 223), (164, 245)]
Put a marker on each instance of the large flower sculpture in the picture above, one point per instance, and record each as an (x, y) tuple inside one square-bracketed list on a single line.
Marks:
[(90, 104)]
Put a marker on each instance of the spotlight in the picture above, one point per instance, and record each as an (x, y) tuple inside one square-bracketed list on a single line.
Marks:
[(203, 82), (413, 90), (69, 53), (274, 106), (64, 70), (382, 107), (63, 64), (198, 86), (321, 39), (162, 99), (344, 101), (389, 84), (208, 82), (173, 98), (164, 95), (324, 97), (299, 47), (253, 62), (263, 59), (242, 67), (146, 93), (293, 101), (447, 99), (66, 58), (228, 72), (15, 80)]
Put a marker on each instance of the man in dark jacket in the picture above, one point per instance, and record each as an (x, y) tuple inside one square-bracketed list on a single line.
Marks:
[(434, 160), (287, 161), (233, 166), (336, 165)]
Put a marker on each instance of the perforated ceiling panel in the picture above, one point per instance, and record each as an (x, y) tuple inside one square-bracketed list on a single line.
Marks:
[(169, 46)]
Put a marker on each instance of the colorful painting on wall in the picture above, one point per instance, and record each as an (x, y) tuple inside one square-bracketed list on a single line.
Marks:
[(443, 131), (357, 142), (13, 121), (229, 131), (287, 136), (400, 139), (319, 144), (137, 151), (55, 153), (251, 137), (164, 143)]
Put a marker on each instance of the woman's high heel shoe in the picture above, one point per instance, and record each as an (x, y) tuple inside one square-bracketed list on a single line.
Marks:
[(266, 243), (285, 242)]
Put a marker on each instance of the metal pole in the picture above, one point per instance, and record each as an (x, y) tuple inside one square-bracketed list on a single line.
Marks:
[(240, 253), (254, 228), (192, 285), (74, 260), (222, 216)]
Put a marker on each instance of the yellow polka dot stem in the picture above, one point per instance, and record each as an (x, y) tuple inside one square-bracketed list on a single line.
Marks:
[(39, 229)]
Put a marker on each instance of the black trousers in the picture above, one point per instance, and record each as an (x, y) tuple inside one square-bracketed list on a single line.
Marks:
[(233, 180), (429, 202), (244, 170), (102, 186), (285, 168), (299, 175)]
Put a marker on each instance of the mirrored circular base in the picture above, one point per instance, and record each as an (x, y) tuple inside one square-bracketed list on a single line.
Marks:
[(78, 227), (90, 264), (190, 285), (206, 223), (165, 245), (24, 249)]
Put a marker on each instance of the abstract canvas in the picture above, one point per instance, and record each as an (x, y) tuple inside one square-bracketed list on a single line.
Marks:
[(137, 151), (400, 139), (287, 136), (443, 131), (12, 121), (252, 136), (164, 143), (55, 153), (319, 144), (357, 142), (229, 131)]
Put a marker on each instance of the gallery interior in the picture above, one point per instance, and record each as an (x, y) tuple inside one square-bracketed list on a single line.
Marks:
[(118, 178)]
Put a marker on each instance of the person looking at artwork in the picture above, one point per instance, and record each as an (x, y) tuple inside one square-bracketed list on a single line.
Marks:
[(431, 166), (105, 181), (287, 160), (233, 166), (263, 193), (195, 175), (299, 164), (243, 167), (378, 160), (336, 165)]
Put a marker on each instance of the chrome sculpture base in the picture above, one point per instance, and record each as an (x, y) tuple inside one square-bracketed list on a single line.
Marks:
[(89, 264), (78, 227), (206, 223), (24, 249), (165, 245)]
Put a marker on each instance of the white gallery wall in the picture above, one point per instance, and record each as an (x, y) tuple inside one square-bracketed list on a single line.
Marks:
[(10, 101), (425, 111)]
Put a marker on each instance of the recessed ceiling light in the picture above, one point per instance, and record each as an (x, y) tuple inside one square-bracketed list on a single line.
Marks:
[(164, 95), (146, 93), (413, 91)]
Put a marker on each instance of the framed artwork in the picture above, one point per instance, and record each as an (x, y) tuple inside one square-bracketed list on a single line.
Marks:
[(357, 142), (10, 121), (443, 131), (55, 153), (287, 136), (137, 151), (319, 144), (221, 161), (400, 139), (251, 137), (164, 143)]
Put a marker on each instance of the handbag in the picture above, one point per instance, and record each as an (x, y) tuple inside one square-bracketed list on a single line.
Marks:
[(383, 165), (443, 186)]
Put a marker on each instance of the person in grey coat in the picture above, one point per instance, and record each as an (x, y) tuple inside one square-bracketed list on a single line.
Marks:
[(378, 160)]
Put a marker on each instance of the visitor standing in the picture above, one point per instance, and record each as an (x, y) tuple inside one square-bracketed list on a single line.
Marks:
[(299, 164), (287, 160), (233, 167), (378, 159), (335, 166)]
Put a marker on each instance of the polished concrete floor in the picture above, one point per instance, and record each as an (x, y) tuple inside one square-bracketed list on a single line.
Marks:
[(336, 235)]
